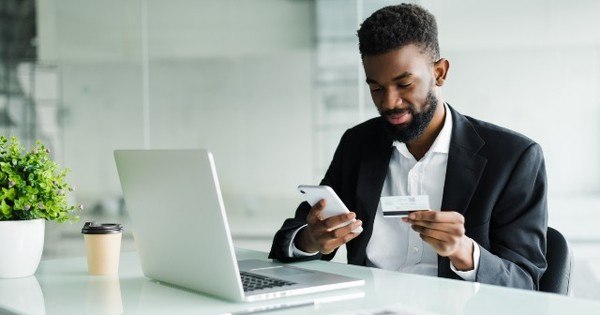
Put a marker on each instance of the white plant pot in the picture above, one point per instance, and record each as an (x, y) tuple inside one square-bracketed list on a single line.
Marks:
[(21, 246)]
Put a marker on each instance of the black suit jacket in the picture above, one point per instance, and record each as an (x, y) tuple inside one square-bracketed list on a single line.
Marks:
[(495, 178)]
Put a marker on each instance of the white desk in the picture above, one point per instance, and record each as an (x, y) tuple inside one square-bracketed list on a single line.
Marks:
[(63, 287)]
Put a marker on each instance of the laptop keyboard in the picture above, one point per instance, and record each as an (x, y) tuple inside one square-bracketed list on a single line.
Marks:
[(253, 282)]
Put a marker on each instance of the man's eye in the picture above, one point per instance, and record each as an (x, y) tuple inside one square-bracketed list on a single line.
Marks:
[(376, 89), (403, 86)]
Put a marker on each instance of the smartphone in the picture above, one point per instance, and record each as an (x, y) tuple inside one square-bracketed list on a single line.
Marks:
[(334, 206)]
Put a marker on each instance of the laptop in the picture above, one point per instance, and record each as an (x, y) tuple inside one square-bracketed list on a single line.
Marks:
[(181, 232)]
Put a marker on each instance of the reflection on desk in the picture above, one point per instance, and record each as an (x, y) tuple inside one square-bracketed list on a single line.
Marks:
[(63, 286), (21, 296)]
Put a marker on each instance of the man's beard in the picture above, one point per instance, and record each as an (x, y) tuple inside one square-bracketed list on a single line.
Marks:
[(419, 122)]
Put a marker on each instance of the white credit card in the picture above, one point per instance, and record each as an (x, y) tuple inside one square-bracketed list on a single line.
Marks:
[(398, 206)]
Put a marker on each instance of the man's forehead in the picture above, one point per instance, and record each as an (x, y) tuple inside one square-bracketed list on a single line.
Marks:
[(396, 64)]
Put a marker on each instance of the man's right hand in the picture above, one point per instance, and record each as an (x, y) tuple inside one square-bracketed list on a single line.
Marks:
[(320, 235)]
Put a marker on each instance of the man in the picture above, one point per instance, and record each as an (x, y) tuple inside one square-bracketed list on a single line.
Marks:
[(488, 182)]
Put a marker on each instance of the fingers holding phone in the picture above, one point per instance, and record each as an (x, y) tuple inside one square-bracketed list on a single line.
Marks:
[(332, 207), (324, 235)]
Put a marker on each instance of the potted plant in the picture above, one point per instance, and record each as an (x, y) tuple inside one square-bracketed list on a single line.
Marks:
[(32, 190)]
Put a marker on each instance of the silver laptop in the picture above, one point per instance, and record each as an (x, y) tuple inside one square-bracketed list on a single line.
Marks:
[(181, 232)]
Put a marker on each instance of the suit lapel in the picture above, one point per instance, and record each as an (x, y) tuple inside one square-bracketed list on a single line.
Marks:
[(372, 173), (374, 161), (463, 172), (465, 166)]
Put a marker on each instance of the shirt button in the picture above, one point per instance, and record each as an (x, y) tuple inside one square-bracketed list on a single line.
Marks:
[(415, 249)]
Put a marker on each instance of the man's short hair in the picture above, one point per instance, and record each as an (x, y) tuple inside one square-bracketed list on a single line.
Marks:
[(396, 26)]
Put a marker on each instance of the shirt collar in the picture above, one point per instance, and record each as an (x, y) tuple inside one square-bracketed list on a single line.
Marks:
[(441, 143)]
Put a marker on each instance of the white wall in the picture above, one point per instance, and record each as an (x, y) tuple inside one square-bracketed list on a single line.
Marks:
[(253, 112), (549, 95), (231, 76)]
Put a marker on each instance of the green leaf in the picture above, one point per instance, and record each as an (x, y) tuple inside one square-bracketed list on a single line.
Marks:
[(5, 208), (8, 193)]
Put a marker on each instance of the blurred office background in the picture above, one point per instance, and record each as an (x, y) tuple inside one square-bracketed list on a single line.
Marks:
[(270, 85)]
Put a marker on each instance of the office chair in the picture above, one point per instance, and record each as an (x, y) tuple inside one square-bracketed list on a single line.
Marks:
[(557, 278)]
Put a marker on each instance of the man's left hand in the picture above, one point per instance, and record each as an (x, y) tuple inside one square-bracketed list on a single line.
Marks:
[(445, 232)]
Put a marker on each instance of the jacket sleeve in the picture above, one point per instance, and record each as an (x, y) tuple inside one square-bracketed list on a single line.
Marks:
[(282, 239), (517, 254)]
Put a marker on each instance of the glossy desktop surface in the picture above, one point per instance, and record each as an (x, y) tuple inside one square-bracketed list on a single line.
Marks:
[(63, 286)]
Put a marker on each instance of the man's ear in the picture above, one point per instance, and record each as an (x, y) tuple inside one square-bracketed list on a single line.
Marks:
[(440, 70)]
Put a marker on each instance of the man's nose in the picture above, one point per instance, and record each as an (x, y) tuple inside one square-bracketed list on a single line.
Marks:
[(391, 99)]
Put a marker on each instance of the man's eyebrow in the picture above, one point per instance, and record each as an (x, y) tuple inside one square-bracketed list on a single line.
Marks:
[(400, 77), (371, 81)]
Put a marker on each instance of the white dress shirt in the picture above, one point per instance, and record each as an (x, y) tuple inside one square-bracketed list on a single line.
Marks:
[(393, 244)]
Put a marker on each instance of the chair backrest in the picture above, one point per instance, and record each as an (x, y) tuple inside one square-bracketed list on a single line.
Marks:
[(557, 278)]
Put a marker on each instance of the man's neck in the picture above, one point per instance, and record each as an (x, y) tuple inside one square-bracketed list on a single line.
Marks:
[(419, 146)]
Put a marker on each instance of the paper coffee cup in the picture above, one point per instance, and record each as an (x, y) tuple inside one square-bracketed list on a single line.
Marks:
[(103, 247)]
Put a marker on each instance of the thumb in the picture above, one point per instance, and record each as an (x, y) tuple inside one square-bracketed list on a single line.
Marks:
[(315, 211)]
